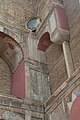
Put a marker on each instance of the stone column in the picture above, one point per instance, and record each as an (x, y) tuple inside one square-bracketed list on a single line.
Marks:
[(68, 58), (36, 72)]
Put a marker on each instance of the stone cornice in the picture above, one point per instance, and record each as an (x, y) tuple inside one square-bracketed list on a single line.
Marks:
[(12, 103)]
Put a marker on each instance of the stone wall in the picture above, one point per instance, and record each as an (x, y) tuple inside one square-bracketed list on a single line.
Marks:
[(37, 81), (56, 65), (60, 105), (12, 108), (55, 55), (15, 13), (58, 113), (10, 115), (5, 77), (44, 7), (72, 8)]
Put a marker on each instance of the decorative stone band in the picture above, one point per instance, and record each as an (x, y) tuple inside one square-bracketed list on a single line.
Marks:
[(60, 32), (10, 51), (19, 105)]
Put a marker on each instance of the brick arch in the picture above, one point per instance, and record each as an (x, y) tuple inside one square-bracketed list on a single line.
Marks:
[(44, 42), (10, 50), (13, 54)]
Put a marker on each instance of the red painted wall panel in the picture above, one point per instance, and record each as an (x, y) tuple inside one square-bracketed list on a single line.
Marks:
[(75, 110), (44, 42), (18, 81), (61, 18)]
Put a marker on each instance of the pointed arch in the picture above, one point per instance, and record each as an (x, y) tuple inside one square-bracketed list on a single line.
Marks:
[(13, 54), (44, 42)]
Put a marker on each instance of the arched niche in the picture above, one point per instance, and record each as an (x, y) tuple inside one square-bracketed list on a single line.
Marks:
[(44, 42), (12, 54)]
